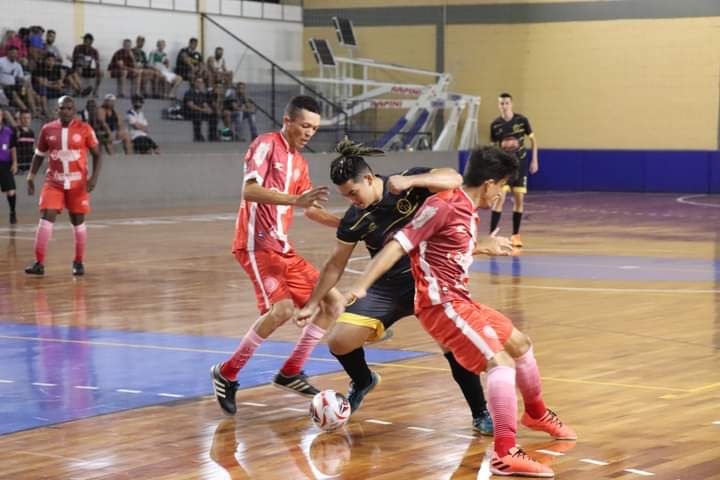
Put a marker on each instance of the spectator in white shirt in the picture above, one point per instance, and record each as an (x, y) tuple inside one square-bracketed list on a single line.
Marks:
[(138, 124), (12, 79)]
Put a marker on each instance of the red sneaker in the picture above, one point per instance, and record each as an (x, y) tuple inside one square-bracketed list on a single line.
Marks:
[(551, 424), (518, 463)]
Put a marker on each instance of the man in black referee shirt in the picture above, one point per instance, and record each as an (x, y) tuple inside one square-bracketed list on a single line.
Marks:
[(503, 130)]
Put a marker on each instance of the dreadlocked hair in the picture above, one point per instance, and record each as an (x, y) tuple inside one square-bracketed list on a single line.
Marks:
[(351, 165)]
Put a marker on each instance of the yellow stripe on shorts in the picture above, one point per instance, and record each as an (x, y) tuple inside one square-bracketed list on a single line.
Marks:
[(363, 321)]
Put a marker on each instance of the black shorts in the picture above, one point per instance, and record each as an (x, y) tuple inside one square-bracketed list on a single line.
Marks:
[(7, 179), (385, 303), (519, 183)]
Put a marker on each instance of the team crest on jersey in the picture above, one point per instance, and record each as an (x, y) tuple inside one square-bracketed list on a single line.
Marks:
[(76, 138), (403, 206), (271, 284), (423, 217), (261, 153)]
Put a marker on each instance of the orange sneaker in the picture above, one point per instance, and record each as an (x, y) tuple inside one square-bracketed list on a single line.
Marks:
[(516, 240), (518, 463), (551, 424)]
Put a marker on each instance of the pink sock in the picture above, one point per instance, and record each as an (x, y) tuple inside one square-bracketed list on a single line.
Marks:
[(528, 382), (80, 241), (310, 337), (250, 342), (502, 402), (42, 238)]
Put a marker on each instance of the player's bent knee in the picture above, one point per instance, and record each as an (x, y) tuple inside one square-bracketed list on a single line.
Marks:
[(501, 359), (281, 312), (518, 344)]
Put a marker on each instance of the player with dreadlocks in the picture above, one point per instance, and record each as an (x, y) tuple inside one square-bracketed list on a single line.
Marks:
[(381, 206)]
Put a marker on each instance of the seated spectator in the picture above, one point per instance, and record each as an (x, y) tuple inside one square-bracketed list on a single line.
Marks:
[(217, 70), (138, 124), (198, 108), (112, 126), (24, 140), (71, 80), (166, 82), (12, 39), (146, 72), (86, 63), (238, 108), (90, 116), (122, 66), (48, 81), (36, 46), (189, 63), (12, 80)]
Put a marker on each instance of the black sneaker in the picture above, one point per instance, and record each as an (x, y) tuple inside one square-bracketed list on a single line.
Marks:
[(296, 384), (13, 218), (224, 389), (78, 269), (36, 268), (356, 396)]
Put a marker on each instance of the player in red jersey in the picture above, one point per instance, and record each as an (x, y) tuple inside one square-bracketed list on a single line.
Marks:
[(440, 241), (65, 142), (277, 180)]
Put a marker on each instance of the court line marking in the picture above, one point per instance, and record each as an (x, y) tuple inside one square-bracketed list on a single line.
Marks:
[(126, 390), (421, 429), (593, 462), (253, 404), (550, 452), (50, 455), (170, 395), (40, 384), (685, 200), (460, 435), (7, 381), (639, 472), (379, 422), (716, 423), (612, 290), (86, 387), (293, 409)]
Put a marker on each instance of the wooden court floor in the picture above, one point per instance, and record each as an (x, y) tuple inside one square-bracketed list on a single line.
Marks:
[(620, 293)]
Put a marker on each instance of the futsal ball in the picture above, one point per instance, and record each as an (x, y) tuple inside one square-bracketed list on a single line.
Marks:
[(329, 410)]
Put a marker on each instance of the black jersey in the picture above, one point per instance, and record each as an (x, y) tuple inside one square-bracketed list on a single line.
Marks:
[(518, 126), (25, 145), (377, 224)]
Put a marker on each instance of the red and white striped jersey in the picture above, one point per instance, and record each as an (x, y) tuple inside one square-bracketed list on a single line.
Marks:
[(66, 149), (261, 226), (440, 242)]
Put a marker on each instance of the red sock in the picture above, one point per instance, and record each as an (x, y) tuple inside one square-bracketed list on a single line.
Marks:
[(310, 337), (250, 342), (80, 232), (42, 237), (502, 402), (528, 382)]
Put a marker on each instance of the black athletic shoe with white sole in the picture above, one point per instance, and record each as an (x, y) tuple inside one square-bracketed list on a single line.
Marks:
[(296, 384), (224, 389)]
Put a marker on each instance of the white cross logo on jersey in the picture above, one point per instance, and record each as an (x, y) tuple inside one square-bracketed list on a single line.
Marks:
[(67, 156)]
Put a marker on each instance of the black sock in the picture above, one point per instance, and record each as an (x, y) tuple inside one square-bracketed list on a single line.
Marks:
[(11, 201), (517, 218), (494, 220), (355, 365), (469, 384)]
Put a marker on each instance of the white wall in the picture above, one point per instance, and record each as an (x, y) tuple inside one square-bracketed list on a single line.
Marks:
[(280, 41)]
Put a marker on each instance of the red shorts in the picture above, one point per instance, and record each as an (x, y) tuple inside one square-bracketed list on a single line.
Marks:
[(76, 200), (278, 277), (473, 332)]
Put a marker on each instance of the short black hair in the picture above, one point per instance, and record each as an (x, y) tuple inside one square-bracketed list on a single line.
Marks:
[(193, 39), (505, 95), (489, 163), (50, 31), (301, 102), (88, 36)]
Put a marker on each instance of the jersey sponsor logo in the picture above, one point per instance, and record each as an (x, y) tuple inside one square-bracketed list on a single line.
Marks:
[(423, 217), (261, 153)]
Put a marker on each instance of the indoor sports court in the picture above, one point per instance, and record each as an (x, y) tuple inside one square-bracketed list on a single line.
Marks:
[(106, 375)]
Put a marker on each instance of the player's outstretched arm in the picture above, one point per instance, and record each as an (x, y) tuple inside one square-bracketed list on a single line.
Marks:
[(436, 180), (329, 276), (322, 216), (381, 263), (254, 192)]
